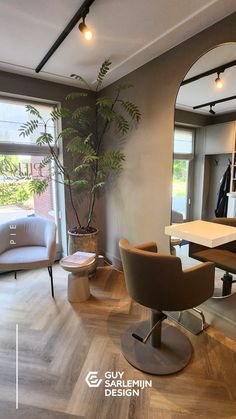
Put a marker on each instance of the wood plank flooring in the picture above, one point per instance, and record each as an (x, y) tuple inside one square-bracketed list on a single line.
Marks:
[(59, 343)]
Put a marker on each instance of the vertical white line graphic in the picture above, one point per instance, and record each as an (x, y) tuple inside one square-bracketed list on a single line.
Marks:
[(17, 368)]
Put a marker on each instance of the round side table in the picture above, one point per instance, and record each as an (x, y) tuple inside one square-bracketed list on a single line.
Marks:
[(78, 283)]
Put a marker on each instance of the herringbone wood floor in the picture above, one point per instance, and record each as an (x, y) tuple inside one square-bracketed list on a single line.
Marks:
[(59, 343)]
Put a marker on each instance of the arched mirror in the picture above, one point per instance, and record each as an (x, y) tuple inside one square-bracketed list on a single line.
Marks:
[(204, 139)]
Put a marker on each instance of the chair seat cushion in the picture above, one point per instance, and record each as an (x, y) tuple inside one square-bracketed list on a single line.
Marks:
[(26, 257), (223, 259)]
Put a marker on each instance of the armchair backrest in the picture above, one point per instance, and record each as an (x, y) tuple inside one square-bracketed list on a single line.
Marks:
[(151, 278), (28, 231)]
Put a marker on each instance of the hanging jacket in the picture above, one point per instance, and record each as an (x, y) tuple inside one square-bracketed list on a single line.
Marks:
[(222, 201)]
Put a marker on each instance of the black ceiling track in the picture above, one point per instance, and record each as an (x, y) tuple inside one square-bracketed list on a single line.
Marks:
[(75, 19), (213, 103), (215, 70)]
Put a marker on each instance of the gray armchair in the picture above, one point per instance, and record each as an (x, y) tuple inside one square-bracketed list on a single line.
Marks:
[(28, 243), (158, 282)]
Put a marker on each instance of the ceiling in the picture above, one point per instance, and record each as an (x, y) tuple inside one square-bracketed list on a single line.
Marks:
[(204, 90), (129, 32)]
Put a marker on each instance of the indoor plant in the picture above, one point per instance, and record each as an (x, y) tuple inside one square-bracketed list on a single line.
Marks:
[(87, 126)]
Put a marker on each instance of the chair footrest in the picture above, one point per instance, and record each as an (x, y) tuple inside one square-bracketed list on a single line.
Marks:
[(188, 320)]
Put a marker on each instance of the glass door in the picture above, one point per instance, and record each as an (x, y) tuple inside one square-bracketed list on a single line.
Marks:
[(180, 187), (182, 174)]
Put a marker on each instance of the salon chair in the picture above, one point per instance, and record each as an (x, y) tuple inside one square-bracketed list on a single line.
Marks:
[(158, 282)]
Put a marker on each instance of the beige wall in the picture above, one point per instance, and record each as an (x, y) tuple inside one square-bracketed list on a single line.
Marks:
[(138, 207)]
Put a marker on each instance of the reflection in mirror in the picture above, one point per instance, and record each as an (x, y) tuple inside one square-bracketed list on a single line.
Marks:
[(204, 182)]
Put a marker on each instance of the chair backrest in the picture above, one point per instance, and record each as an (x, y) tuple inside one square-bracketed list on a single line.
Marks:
[(231, 246), (28, 231), (151, 278), (176, 217)]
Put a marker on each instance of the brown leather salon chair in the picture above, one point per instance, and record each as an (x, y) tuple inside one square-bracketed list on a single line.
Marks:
[(223, 256), (158, 282)]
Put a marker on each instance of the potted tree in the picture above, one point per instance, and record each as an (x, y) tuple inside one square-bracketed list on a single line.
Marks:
[(87, 127)]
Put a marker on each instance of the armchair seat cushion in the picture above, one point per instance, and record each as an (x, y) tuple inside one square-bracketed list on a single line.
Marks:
[(223, 259), (25, 257)]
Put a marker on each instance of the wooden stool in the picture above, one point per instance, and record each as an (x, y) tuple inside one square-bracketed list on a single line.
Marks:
[(78, 283)]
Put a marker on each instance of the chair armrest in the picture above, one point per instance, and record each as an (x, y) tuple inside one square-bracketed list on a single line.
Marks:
[(149, 247), (199, 281), (225, 220)]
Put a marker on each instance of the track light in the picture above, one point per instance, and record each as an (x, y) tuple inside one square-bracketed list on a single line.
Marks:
[(211, 110), (218, 81), (84, 29)]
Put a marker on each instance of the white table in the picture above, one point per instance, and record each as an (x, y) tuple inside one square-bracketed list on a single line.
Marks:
[(203, 232)]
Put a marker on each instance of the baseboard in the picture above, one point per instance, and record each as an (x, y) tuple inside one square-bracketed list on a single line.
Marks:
[(113, 260)]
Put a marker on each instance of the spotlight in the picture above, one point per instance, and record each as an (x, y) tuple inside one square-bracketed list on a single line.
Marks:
[(85, 30), (211, 110), (218, 81)]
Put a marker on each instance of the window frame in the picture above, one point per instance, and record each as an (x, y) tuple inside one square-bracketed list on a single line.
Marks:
[(190, 158), (8, 148)]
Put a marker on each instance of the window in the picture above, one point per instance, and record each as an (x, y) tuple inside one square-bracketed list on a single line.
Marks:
[(183, 141), (13, 114), (20, 162), (182, 170)]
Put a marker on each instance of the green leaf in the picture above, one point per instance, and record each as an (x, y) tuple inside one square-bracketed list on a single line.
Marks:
[(67, 132), (81, 79), (88, 138), (45, 162), (82, 114), (131, 109), (80, 184), (122, 124), (82, 167), (28, 127), (89, 158), (38, 186), (44, 139), (75, 95), (105, 67), (107, 113), (104, 101), (59, 113), (111, 161), (87, 152), (33, 111), (98, 185)]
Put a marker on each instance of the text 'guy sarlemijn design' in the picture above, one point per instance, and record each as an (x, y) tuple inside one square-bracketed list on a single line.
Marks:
[(115, 385)]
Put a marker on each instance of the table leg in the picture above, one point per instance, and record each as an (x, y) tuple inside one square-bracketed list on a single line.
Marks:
[(78, 287)]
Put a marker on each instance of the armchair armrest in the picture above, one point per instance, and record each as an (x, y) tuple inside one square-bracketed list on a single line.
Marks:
[(149, 247), (199, 280), (225, 220), (4, 237)]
